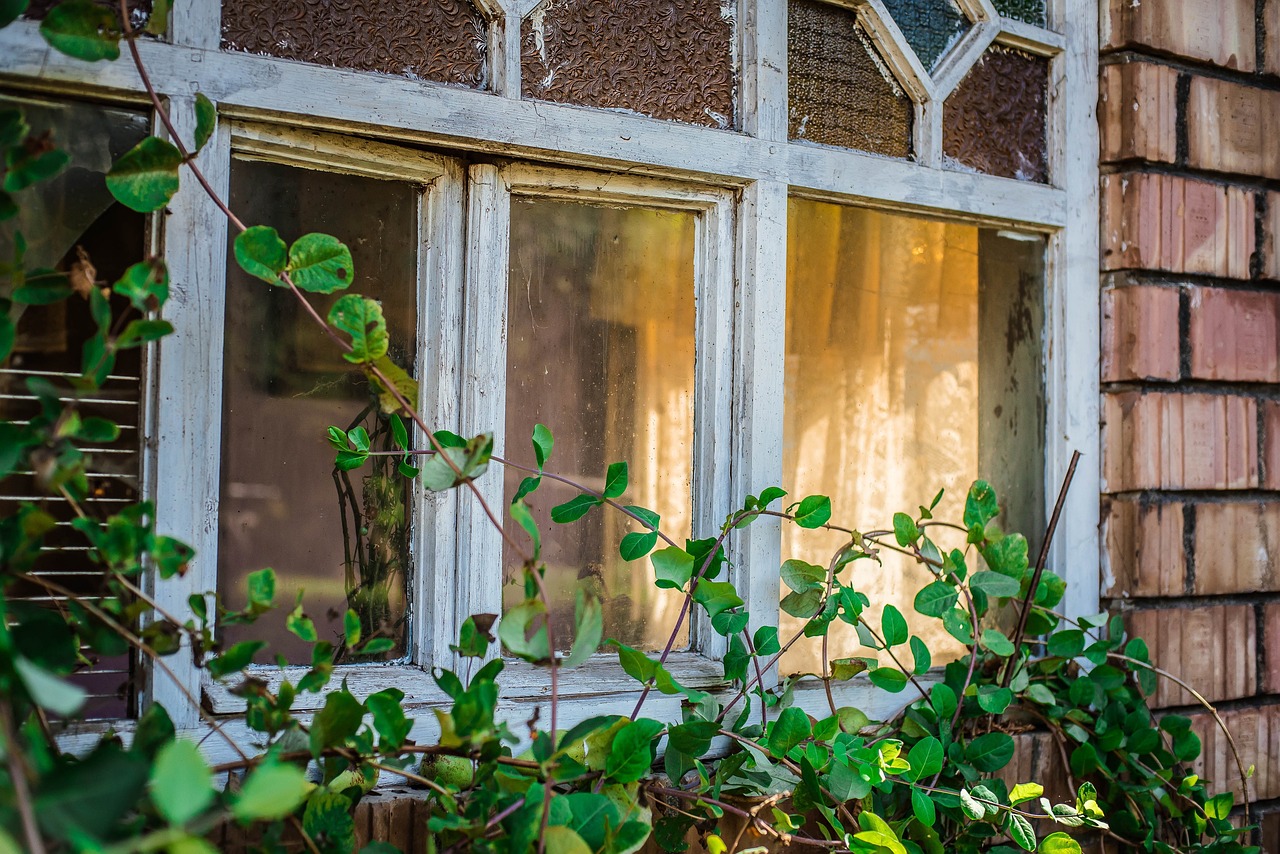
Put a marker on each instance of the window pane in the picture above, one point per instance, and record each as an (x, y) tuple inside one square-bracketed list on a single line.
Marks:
[(600, 348), (914, 354), (67, 221), (1031, 11), (931, 26), (343, 539), (839, 91), (995, 120)]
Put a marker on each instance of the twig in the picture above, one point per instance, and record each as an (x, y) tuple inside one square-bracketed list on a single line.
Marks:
[(21, 786)]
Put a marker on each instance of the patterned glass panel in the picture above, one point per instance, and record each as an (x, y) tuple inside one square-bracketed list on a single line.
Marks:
[(670, 59), (931, 26), (839, 91), (440, 40), (1031, 11), (995, 120)]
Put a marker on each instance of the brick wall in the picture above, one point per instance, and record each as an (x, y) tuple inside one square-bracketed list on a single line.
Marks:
[(1189, 111)]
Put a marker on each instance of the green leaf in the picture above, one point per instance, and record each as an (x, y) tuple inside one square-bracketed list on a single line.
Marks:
[(673, 568), (803, 605), (142, 331), (270, 792), (524, 518), (803, 577), (844, 669), (542, 444), (145, 285), (1219, 806), (388, 717), (921, 655), (336, 722), (1059, 843), (146, 176), (994, 640), (925, 758), (970, 807), (31, 163), (923, 808), (893, 627), (47, 690), (994, 699), (261, 253), (206, 116), (889, 678), (1067, 643), (716, 597), (574, 509), (10, 11), (633, 750), (989, 752), (813, 512), (181, 782), (588, 629), (563, 840), (615, 481), (981, 505), (361, 318), (513, 631), (83, 30), (637, 544), (791, 728), (328, 820), (995, 584), (320, 264), (1024, 792), (399, 381), (299, 624), (904, 529), (1021, 832), (936, 599), (235, 659), (8, 337)]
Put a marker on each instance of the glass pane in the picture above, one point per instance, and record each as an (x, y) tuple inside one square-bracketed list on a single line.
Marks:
[(341, 538), (931, 26), (67, 222), (441, 40), (839, 91), (914, 363), (600, 348), (1031, 11), (669, 60), (995, 120)]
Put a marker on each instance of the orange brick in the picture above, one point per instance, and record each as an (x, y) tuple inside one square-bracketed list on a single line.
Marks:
[(1140, 337), (1256, 732), (1271, 638), (1217, 31), (1139, 112), (1212, 649), (1179, 441), (1144, 549), (1232, 127), (1237, 546), (1164, 222), (1234, 334)]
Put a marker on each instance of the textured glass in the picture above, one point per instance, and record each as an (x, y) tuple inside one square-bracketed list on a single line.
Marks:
[(914, 355), (343, 538), (995, 120), (839, 92), (67, 222), (600, 348), (1031, 11), (670, 59), (931, 26), (440, 40)]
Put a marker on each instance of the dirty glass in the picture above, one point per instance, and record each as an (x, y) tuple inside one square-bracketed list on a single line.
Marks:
[(931, 26), (73, 225), (339, 539), (995, 121), (600, 348), (914, 364), (839, 91)]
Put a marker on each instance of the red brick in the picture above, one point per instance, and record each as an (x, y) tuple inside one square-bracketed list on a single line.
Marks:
[(1237, 547), (1234, 334), (1211, 649), (1231, 127), (1271, 639), (1271, 443), (1144, 547), (1256, 732), (1179, 441), (1165, 222), (1140, 337), (1139, 112), (1217, 31)]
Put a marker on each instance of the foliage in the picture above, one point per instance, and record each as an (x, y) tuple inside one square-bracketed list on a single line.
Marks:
[(929, 779)]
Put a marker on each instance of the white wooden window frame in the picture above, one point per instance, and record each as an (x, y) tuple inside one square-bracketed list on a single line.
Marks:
[(758, 164)]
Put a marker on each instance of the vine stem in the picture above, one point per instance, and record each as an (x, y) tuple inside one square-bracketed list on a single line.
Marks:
[(21, 785), (760, 823)]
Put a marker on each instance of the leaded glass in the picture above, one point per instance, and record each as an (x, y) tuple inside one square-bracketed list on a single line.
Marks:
[(931, 26), (839, 91), (995, 120), (1031, 11)]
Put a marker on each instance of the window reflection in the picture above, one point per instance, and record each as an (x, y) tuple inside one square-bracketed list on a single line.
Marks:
[(914, 363), (600, 348)]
